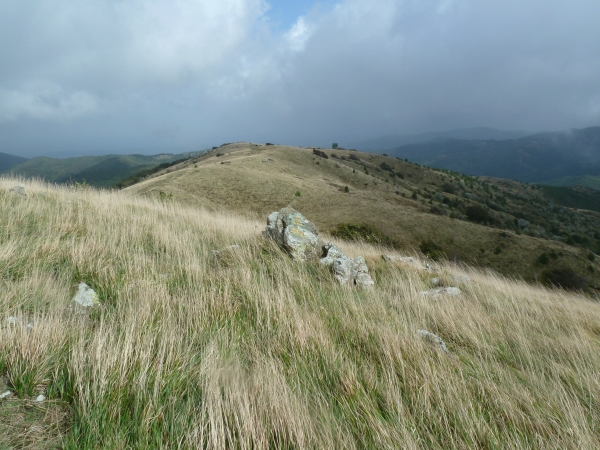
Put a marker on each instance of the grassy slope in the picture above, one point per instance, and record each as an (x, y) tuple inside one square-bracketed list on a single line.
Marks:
[(247, 184), (262, 352)]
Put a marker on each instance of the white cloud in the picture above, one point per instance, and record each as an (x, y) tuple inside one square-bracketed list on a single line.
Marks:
[(360, 68), (299, 34), (45, 103)]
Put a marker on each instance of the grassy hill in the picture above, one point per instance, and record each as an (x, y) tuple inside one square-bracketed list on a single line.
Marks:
[(9, 161), (550, 158), (99, 171), (513, 228), (257, 351)]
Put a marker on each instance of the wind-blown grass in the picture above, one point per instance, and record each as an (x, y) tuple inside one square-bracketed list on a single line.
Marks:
[(257, 351)]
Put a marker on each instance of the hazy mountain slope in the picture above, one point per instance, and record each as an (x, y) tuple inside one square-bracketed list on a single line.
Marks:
[(9, 161), (241, 181), (589, 181), (256, 351), (385, 143), (538, 158), (100, 171)]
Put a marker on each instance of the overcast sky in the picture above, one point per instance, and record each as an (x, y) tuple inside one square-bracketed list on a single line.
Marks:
[(145, 76)]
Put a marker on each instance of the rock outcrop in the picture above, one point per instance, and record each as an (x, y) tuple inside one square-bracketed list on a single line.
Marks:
[(294, 233), (299, 238), (348, 271)]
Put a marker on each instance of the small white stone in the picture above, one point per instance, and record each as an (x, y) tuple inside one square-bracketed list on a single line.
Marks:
[(5, 395), (86, 296), (40, 398), (11, 320), (29, 325), (435, 281)]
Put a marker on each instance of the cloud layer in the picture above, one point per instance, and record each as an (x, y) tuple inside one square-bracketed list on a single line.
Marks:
[(147, 75)]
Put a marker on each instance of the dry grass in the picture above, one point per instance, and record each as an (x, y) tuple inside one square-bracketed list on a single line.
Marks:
[(257, 351), (247, 185)]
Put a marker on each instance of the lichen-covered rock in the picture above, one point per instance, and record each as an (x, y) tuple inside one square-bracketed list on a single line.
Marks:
[(434, 339), (294, 233), (350, 271), (86, 297), (18, 190)]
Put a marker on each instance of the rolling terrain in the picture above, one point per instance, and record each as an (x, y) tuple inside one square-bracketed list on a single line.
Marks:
[(382, 144), (257, 351), (566, 158), (7, 161), (98, 171), (513, 228)]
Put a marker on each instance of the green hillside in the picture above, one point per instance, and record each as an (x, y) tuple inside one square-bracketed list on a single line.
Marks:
[(9, 161), (99, 171)]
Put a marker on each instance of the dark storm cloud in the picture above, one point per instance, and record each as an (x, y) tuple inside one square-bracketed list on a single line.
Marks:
[(158, 75)]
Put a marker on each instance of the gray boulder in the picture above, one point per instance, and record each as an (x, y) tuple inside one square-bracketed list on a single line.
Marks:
[(294, 233), (347, 271)]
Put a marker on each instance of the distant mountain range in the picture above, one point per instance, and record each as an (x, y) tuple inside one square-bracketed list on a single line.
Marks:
[(560, 158), (7, 161), (99, 171), (479, 133)]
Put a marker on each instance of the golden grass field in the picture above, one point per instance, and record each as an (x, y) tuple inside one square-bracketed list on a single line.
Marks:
[(258, 351), (241, 182)]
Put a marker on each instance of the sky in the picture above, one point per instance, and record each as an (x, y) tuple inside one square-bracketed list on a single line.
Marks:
[(148, 76)]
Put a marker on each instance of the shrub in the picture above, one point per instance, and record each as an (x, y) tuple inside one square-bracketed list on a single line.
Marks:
[(477, 213), (565, 278), (591, 256), (297, 194), (543, 259), (363, 232), (164, 195), (431, 249), (449, 188), (320, 153), (346, 189), (385, 166)]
